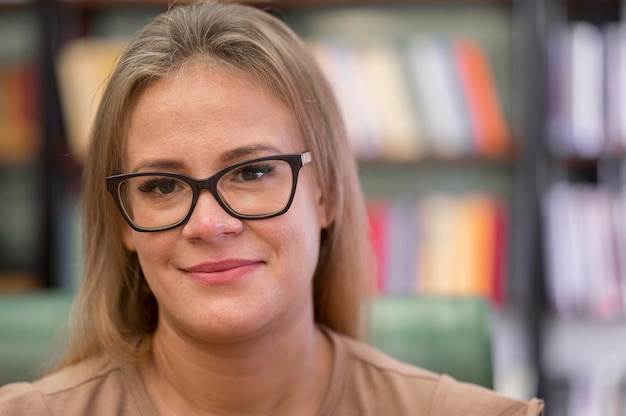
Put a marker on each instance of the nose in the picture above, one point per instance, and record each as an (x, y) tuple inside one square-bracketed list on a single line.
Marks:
[(209, 221)]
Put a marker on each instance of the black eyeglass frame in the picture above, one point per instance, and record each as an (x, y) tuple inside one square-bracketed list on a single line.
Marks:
[(295, 161)]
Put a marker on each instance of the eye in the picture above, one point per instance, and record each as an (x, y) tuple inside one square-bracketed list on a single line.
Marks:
[(253, 171), (162, 185)]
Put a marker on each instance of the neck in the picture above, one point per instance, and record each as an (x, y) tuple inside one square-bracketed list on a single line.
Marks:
[(285, 373)]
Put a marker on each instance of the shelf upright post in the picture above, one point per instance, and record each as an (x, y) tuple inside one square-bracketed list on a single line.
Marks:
[(528, 271), (50, 130)]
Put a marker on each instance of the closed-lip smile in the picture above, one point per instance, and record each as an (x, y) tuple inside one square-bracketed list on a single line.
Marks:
[(222, 272)]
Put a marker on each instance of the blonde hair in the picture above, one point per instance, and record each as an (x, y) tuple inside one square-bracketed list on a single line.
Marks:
[(115, 308)]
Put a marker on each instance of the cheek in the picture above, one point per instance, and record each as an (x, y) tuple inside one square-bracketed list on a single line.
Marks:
[(300, 237), (152, 251), (297, 249)]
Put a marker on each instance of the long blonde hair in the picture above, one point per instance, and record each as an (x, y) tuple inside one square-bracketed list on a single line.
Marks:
[(115, 309)]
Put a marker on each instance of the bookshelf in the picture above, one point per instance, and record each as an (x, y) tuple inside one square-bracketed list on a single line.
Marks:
[(500, 31), (582, 194), (20, 145)]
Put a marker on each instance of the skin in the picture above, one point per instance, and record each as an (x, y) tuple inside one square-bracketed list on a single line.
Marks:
[(241, 340)]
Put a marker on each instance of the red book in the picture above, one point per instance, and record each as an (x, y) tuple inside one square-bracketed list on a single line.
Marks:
[(500, 255), (378, 215)]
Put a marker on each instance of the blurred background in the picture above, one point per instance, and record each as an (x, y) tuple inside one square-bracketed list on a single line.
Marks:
[(490, 136)]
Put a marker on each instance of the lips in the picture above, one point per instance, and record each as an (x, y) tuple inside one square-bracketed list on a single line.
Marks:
[(222, 272)]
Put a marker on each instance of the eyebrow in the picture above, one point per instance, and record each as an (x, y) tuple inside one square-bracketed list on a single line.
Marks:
[(241, 152), (159, 164), (227, 157)]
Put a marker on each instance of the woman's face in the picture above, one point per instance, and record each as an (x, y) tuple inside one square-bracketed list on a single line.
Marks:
[(218, 277)]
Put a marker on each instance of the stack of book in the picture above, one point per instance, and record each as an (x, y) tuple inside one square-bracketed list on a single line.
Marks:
[(586, 249), (601, 391), (441, 244), (587, 89), (423, 96)]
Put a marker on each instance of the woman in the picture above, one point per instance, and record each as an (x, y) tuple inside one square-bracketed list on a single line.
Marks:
[(226, 242)]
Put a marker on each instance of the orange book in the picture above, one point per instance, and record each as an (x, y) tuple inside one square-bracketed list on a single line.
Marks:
[(6, 141), (488, 123), (27, 107), (475, 248), (19, 136)]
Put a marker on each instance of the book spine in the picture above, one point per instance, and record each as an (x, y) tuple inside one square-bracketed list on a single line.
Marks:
[(489, 126)]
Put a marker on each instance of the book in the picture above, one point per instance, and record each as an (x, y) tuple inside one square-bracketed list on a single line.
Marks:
[(384, 80), (337, 58), (603, 295), (487, 120), (436, 85), (378, 217), (83, 67), (584, 250), (587, 98), (437, 248), (402, 274), (20, 124), (566, 283), (474, 245), (501, 250)]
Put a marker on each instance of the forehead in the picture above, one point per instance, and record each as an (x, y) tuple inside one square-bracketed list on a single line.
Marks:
[(201, 109)]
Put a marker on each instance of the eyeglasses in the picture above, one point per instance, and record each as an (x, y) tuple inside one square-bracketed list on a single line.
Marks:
[(252, 190)]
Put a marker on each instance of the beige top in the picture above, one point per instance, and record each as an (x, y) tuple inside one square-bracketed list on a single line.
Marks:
[(364, 382)]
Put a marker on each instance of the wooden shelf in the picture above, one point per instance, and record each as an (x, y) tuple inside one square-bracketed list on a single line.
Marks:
[(18, 282), (438, 162), (15, 5), (286, 4)]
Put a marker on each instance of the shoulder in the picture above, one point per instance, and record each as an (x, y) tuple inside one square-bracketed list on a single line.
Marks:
[(95, 386), (21, 399), (367, 362), (454, 397), (374, 380)]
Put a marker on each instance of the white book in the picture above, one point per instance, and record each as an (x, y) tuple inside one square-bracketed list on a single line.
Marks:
[(353, 75), (404, 240), (438, 92), (587, 106), (565, 265), (604, 294), (384, 78), (334, 58)]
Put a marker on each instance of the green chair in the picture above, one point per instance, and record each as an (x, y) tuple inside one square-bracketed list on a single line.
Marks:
[(449, 335), (31, 326)]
